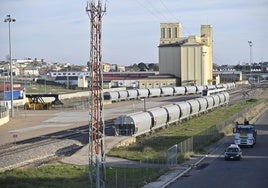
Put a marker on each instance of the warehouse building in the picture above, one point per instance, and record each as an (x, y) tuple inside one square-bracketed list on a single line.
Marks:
[(189, 59)]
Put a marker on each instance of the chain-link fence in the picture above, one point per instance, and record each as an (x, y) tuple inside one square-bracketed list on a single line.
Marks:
[(137, 174), (203, 139)]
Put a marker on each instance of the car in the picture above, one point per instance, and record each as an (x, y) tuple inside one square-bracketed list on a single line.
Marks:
[(233, 152)]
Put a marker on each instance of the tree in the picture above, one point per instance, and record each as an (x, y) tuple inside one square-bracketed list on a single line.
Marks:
[(153, 66), (142, 66)]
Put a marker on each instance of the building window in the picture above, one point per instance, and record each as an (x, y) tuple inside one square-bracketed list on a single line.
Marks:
[(163, 34), (169, 32), (175, 32)]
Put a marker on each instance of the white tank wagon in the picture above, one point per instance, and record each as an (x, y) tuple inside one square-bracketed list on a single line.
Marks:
[(190, 90), (219, 86), (210, 102), (194, 107), (143, 93), (113, 96), (123, 95), (203, 104), (179, 90), (200, 89), (134, 124), (154, 92), (224, 98), (210, 87), (232, 85), (167, 91), (216, 99), (185, 110), (132, 94), (229, 86), (144, 122), (208, 92), (159, 117), (173, 112)]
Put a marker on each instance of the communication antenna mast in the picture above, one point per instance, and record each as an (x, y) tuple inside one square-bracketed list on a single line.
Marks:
[(97, 171)]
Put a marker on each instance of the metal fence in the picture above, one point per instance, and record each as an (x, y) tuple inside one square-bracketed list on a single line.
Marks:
[(199, 141)]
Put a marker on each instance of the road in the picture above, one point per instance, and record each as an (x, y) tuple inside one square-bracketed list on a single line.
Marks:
[(214, 171)]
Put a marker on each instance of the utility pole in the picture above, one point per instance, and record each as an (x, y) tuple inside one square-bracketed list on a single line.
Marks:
[(250, 62), (250, 56), (9, 20), (97, 169)]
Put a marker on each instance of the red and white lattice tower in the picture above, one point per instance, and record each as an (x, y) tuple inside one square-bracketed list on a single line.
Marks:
[(97, 172)]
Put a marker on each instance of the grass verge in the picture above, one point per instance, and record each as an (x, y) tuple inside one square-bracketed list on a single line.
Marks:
[(73, 176), (156, 145)]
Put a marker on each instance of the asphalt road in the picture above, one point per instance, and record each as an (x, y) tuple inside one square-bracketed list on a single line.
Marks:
[(251, 172)]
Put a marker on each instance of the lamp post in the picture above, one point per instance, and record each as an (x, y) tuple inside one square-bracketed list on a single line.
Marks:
[(144, 104), (9, 20), (250, 56)]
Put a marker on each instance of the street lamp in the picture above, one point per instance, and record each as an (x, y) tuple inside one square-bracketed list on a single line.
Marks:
[(250, 56), (144, 104), (9, 20)]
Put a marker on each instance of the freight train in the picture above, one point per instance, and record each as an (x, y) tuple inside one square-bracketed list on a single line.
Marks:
[(116, 96), (139, 123)]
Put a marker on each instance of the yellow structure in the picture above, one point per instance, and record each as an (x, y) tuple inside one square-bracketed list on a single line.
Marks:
[(188, 58)]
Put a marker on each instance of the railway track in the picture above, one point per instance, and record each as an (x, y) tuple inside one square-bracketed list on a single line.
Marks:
[(29, 151)]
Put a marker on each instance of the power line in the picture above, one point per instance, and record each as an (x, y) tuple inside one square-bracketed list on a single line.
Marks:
[(170, 12), (151, 10)]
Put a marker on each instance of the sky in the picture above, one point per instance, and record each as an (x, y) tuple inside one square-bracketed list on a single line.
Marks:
[(59, 30)]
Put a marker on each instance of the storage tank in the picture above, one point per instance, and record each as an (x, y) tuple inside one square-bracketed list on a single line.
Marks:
[(191, 89), (111, 95), (143, 93), (132, 94), (154, 92), (185, 110), (195, 107), (179, 90), (123, 95), (134, 124), (159, 117), (203, 104), (167, 91), (173, 113)]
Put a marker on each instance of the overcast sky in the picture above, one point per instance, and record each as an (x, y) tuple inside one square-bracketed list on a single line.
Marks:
[(59, 30)]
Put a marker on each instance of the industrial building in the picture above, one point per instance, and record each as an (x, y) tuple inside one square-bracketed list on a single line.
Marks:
[(189, 59)]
